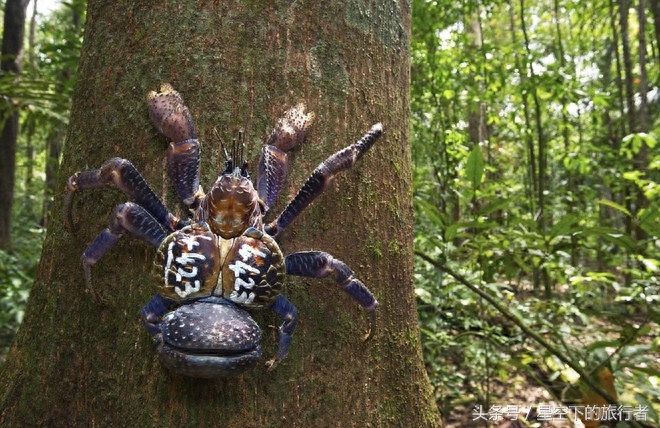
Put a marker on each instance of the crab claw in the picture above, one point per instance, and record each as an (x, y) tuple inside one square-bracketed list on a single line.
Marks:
[(291, 130), (169, 114)]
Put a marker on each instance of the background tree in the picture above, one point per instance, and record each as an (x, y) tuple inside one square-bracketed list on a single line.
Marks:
[(238, 65), (13, 33), (41, 97), (64, 38)]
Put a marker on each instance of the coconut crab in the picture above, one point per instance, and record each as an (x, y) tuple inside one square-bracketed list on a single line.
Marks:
[(209, 269)]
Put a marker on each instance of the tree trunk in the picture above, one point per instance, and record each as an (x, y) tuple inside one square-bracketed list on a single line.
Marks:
[(12, 51), (654, 6), (53, 152), (237, 64), (629, 77), (521, 66), (540, 274), (640, 160)]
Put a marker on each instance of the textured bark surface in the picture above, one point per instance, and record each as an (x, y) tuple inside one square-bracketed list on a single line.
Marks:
[(76, 363)]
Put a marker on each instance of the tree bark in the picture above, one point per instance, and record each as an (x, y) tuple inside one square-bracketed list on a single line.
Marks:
[(521, 66), (540, 275), (11, 57), (53, 151), (628, 78), (56, 134), (654, 6), (640, 160), (237, 64)]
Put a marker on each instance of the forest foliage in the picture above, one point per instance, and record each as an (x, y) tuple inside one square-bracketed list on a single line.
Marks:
[(536, 173), (42, 95), (535, 129)]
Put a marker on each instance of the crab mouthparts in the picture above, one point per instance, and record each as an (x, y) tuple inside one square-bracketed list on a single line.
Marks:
[(222, 353)]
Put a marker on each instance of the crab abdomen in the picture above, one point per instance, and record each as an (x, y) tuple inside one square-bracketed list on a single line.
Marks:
[(209, 339)]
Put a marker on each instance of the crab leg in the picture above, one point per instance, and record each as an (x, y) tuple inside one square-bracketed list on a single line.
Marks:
[(289, 132), (173, 120), (285, 309), (318, 264), (152, 311), (127, 217), (322, 177), (124, 176)]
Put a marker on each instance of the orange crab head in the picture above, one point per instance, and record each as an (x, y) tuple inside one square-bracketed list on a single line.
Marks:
[(232, 205)]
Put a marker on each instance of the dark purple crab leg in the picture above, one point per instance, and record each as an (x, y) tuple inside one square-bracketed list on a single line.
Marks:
[(124, 176), (151, 313), (318, 264), (321, 178), (173, 120), (288, 133), (285, 309), (127, 217)]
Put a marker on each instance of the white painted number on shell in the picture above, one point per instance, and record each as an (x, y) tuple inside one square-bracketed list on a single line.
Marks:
[(240, 268), (185, 266)]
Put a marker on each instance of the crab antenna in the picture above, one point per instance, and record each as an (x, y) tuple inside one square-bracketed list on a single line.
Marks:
[(241, 143), (234, 150), (241, 140), (222, 143)]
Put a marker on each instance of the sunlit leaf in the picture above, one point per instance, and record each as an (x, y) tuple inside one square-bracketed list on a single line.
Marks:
[(614, 205), (474, 169)]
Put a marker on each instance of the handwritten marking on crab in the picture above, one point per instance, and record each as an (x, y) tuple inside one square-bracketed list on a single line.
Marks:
[(188, 288), (243, 298), (185, 266), (191, 241), (240, 268), (247, 250)]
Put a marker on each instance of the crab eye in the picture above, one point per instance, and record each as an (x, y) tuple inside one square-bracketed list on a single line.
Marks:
[(229, 167), (244, 170)]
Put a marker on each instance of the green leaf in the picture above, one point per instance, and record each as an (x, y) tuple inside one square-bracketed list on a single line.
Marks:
[(602, 344), (638, 138), (610, 234), (431, 211), (647, 405), (563, 226), (500, 204), (614, 205), (649, 371), (650, 264), (648, 220), (475, 167)]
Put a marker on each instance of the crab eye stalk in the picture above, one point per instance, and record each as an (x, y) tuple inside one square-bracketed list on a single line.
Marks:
[(235, 157), (229, 167), (244, 170)]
